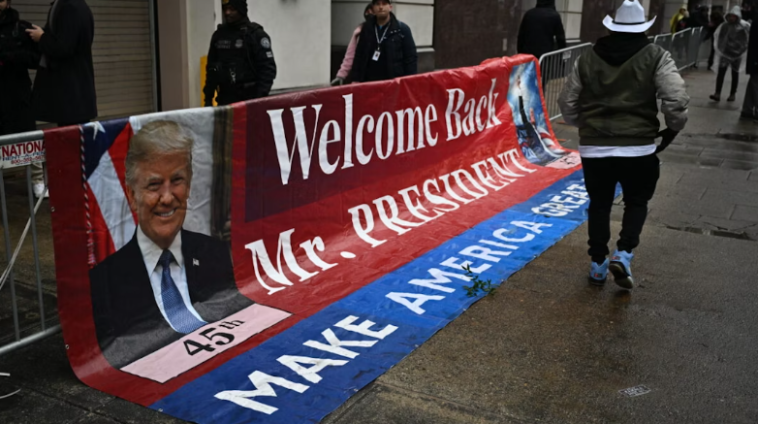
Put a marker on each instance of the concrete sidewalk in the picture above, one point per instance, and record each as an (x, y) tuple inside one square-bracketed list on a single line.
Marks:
[(547, 347)]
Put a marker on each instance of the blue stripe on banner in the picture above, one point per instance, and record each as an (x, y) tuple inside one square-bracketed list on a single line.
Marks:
[(299, 377)]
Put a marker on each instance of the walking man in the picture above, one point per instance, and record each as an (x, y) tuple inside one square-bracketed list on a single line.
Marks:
[(241, 64), (611, 96), (386, 49), (731, 42), (541, 32)]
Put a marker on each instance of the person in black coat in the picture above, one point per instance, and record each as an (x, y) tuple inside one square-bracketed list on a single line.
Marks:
[(750, 106), (18, 54), (386, 48), (64, 89), (241, 64), (541, 32)]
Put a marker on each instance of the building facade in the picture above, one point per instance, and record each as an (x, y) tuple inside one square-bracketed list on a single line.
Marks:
[(149, 54)]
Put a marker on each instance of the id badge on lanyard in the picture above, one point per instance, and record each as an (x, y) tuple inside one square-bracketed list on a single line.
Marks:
[(379, 42)]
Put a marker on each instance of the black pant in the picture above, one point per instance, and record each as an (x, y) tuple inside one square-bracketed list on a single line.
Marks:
[(720, 81), (638, 177), (711, 56)]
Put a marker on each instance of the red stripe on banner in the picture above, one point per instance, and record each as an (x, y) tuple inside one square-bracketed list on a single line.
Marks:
[(101, 235), (324, 199), (118, 152), (70, 242), (316, 204)]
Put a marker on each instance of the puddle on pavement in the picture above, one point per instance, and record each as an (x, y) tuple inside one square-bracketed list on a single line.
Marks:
[(740, 137), (714, 233)]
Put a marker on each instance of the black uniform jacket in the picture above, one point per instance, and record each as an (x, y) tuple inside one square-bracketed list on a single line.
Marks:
[(398, 52), (241, 64)]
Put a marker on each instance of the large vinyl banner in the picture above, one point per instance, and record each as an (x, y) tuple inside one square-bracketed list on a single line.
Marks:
[(265, 261)]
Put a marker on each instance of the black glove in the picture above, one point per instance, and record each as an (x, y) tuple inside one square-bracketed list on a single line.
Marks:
[(668, 135)]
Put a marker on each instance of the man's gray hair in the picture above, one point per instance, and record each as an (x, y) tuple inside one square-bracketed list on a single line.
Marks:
[(157, 138)]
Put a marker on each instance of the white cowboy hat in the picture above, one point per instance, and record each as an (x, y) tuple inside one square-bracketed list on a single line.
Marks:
[(630, 17)]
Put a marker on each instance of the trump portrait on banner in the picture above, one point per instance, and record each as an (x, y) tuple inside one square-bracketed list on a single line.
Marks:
[(166, 282)]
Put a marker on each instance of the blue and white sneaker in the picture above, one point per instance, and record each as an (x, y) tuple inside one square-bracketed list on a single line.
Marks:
[(621, 269), (598, 273)]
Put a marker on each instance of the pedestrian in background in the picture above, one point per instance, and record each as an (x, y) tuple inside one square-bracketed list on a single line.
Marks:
[(347, 61), (679, 21), (612, 95), (750, 106), (541, 32), (18, 54), (386, 49), (717, 18), (241, 64), (64, 88), (731, 41), (699, 18)]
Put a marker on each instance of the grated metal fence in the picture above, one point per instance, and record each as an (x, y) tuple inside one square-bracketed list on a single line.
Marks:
[(27, 295), (556, 66)]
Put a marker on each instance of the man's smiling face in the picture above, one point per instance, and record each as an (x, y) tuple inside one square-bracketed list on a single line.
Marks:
[(159, 196)]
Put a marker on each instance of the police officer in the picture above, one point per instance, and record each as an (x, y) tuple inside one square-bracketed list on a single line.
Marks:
[(241, 64)]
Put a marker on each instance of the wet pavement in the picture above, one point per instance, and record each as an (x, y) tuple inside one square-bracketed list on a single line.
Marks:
[(547, 347)]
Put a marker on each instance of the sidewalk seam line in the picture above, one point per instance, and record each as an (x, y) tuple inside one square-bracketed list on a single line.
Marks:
[(487, 413)]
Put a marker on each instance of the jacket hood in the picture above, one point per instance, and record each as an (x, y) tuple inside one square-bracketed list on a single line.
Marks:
[(619, 47), (546, 3), (736, 11)]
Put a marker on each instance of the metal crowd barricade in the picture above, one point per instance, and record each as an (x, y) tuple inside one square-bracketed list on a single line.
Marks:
[(663, 40), (556, 66), (29, 328), (684, 47), (680, 43), (694, 47)]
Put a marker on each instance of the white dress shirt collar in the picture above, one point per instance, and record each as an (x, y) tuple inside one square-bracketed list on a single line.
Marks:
[(152, 253)]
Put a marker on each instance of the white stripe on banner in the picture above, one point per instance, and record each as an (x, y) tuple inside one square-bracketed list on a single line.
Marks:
[(112, 201)]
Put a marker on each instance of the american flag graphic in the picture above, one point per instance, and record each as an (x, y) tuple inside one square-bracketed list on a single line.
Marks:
[(110, 221)]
